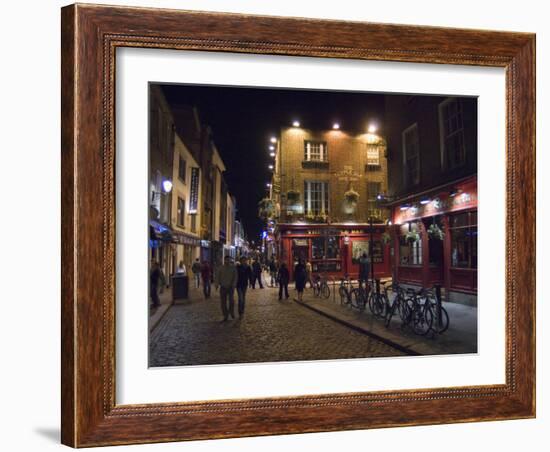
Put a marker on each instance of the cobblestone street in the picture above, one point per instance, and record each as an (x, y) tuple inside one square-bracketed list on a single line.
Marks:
[(191, 333)]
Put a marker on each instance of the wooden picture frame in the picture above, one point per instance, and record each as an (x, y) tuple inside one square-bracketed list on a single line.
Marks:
[(90, 36)]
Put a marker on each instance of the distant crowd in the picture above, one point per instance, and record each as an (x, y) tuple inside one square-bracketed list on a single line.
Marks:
[(240, 276)]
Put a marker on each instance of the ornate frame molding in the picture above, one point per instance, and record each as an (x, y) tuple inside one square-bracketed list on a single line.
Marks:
[(90, 37)]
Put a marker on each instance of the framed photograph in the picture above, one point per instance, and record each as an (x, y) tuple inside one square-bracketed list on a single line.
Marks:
[(282, 225)]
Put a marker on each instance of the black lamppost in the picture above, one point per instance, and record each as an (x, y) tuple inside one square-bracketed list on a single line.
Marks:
[(371, 248)]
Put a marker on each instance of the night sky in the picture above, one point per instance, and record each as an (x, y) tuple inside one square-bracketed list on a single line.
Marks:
[(243, 119)]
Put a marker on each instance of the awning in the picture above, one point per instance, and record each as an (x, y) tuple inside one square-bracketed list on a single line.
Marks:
[(159, 231), (185, 239)]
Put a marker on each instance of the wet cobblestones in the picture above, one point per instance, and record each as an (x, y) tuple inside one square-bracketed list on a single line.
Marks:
[(191, 334)]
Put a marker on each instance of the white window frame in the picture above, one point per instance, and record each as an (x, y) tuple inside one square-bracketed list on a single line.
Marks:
[(324, 198), (323, 154), (373, 148), (443, 136)]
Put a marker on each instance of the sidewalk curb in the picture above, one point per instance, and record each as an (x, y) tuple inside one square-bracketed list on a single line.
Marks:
[(154, 323), (386, 341)]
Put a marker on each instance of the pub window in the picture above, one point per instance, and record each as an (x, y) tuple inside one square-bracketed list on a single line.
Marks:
[(181, 212), (315, 151), (316, 198), (182, 169), (463, 229), (373, 157), (373, 209), (325, 247), (410, 244), (451, 129), (411, 156)]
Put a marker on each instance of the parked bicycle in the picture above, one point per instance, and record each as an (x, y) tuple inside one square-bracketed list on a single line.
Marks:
[(440, 316), (360, 295), (377, 302), (345, 291), (320, 286), (420, 315), (399, 303)]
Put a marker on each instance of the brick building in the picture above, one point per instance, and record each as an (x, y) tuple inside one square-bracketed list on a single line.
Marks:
[(432, 192), (324, 199)]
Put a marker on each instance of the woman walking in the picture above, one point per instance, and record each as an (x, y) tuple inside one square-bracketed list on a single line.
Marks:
[(300, 277)]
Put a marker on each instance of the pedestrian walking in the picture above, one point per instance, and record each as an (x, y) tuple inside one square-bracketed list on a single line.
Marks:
[(257, 274), (364, 268), (181, 270), (272, 272), (244, 273), (196, 269), (206, 275), (309, 270), (300, 276), (154, 279), (162, 280), (226, 281), (283, 277)]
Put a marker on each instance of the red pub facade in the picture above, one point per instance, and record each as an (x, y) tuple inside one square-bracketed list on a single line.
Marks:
[(334, 249), (434, 237)]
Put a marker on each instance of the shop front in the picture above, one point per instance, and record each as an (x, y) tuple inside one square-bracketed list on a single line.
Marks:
[(334, 249), (160, 245), (186, 249), (435, 240)]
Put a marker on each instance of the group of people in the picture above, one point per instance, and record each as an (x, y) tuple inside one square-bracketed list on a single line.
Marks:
[(229, 278)]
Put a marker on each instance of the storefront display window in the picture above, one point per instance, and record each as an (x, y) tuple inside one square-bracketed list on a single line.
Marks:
[(464, 240), (410, 244), (325, 247), (436, 235)]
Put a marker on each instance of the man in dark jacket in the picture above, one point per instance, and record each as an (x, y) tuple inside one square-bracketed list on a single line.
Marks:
[(283, 276), (206, 275), (273, 272), (154, 277), (256, 274), (244, 275), (364, 268)]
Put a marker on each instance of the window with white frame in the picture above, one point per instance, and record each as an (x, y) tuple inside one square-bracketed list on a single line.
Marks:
[(451, 129), (373, 190), (315, 151), (411, 156), (373, 155), (316, 197)]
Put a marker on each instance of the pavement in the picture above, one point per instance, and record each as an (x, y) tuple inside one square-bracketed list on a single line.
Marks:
[(189, 332), (460, 337), (156, 314)]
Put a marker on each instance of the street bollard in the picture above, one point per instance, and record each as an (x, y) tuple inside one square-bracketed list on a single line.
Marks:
[(438, 304)]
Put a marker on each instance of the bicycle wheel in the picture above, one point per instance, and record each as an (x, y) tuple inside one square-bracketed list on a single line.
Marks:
[(325, 290), (316, 290), (422, 319), (356, 299), (391, 312), (444, 321), (378, 305), (402, 309), (371, 302), (343, 295)]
